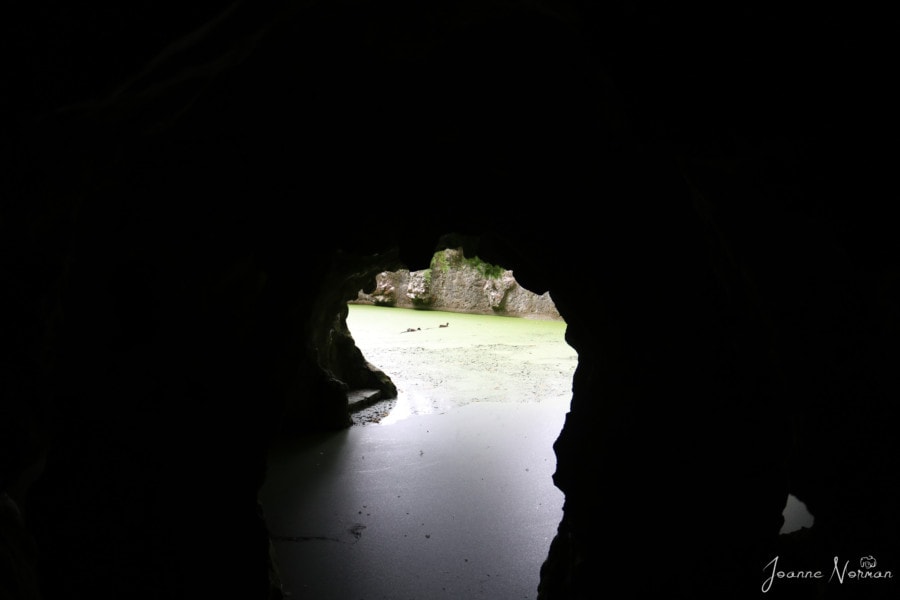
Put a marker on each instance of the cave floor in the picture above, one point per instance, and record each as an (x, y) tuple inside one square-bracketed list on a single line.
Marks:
[(453, 505), (445, 492)]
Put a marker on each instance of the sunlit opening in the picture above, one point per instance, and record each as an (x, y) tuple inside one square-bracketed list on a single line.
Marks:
[(440, 360), (445, 491)]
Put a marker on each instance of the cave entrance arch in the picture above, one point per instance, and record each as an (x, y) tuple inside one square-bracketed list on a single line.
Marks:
[(448, 499), (506, 343)]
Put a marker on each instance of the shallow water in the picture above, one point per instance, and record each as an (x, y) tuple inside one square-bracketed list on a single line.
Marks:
[(450, 496), (473, 358)]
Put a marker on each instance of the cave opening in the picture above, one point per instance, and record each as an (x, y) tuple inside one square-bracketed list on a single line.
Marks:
[(445, 488)]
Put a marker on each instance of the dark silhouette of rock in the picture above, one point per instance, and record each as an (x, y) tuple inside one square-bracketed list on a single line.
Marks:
[(700, 189)]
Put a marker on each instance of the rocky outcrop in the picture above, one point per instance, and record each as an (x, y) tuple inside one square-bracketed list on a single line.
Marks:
[(454, 283)]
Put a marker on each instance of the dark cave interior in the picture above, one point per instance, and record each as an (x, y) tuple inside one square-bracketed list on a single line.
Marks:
[(702, 187)]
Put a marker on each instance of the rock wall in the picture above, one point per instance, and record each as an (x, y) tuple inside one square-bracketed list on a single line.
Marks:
[(454, 283)]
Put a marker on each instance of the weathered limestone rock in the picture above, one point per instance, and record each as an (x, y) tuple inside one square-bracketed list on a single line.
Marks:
[(497, 290), (455, 284), (419, 291), (385, 293)]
